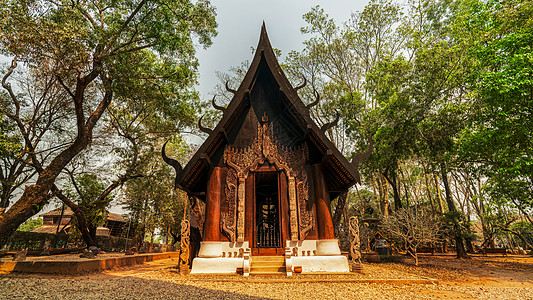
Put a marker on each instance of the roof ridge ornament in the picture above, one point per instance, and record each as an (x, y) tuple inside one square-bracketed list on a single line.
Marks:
[(172, 162), (331, 124), (229, 89), (317, 95), (202, 128), (221, 108), (359, 157), (301, 85)]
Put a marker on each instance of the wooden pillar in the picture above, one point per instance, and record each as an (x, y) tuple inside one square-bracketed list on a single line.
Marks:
[(323, 207), (215, 191)]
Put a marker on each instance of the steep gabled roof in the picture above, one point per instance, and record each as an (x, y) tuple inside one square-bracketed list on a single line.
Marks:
[(341, 174)]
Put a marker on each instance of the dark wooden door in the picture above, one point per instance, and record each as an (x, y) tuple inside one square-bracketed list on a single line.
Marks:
[(267, 238)]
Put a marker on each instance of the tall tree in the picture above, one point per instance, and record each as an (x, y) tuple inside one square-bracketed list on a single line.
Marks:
[(499, 139), (95, 51)]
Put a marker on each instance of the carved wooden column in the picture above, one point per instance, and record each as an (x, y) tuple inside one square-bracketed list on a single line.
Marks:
[(323, 207), (215, 190), (293, 217), (241, 197)]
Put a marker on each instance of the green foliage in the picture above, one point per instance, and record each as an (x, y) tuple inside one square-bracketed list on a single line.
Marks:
[(151, 199), (9, 141), (525, 228), (499, 137), (128, 64), (461, 225), (31, 224), (88, 189)]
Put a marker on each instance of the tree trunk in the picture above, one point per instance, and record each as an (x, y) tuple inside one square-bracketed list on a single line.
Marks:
[(394, 183), (405, 187), (383, 196), (439, 194), (30, 203), (4, 197), (88, 232), (459, 243), (430, 197), (36, 196)]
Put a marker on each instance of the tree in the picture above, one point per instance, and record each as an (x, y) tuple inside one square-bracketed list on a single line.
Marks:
[(12, 166), (88, 194), (411, 227), (152, 201), (335, 62), (499, 139), (95, 52)]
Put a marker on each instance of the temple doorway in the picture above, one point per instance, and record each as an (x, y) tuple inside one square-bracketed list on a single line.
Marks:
[(267, 208)]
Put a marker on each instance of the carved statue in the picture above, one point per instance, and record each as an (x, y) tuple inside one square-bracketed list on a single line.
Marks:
[(355, 245), (184, 246)]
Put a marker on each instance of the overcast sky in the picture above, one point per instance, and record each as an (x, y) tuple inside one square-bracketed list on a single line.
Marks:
[(239, 25)]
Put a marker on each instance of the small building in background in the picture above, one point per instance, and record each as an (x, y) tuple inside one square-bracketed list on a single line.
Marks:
[(56, 221)]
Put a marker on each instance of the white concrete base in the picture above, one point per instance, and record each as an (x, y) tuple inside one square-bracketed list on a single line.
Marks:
[(314, 247), (210, 249), (216, 265), (219, 257), (302, 248), (328, 247), (222, 249), (311, 264)]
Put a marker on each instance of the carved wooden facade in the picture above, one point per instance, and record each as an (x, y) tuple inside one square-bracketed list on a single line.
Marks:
[(266, 172), (266, 149)]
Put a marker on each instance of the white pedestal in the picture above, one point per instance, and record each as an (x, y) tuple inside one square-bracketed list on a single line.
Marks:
[(219, 257), (312, 264), (216, 265)]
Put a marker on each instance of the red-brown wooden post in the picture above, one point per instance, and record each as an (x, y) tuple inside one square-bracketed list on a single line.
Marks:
[(323, 209), (215, 190)]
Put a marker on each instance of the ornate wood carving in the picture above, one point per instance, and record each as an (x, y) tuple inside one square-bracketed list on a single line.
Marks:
[(307, 222), (355, 244), (228, 219), (184, 246), (198, 211), (265, 148)]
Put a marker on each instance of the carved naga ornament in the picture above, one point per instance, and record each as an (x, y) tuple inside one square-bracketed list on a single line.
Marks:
[(265, 148), (355, 242), (184, 246)]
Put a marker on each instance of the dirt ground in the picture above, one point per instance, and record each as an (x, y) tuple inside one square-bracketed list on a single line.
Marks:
[(492, 270), (491, 277)]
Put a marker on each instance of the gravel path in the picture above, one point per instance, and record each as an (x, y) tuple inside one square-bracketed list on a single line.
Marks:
[(166, 283)]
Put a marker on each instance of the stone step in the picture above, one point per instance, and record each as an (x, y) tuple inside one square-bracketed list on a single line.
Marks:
[(268, 273), (267, 265), (268, 258), (270, 268)]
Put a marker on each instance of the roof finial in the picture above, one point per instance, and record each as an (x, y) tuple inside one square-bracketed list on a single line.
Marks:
[(229, 89), (301, 85), (317, 95), (221, 108), (359, 157), (202, 128), (331, 124), (174, 163)]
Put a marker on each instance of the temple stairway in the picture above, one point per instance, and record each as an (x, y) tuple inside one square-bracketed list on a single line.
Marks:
[(267, 265)]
